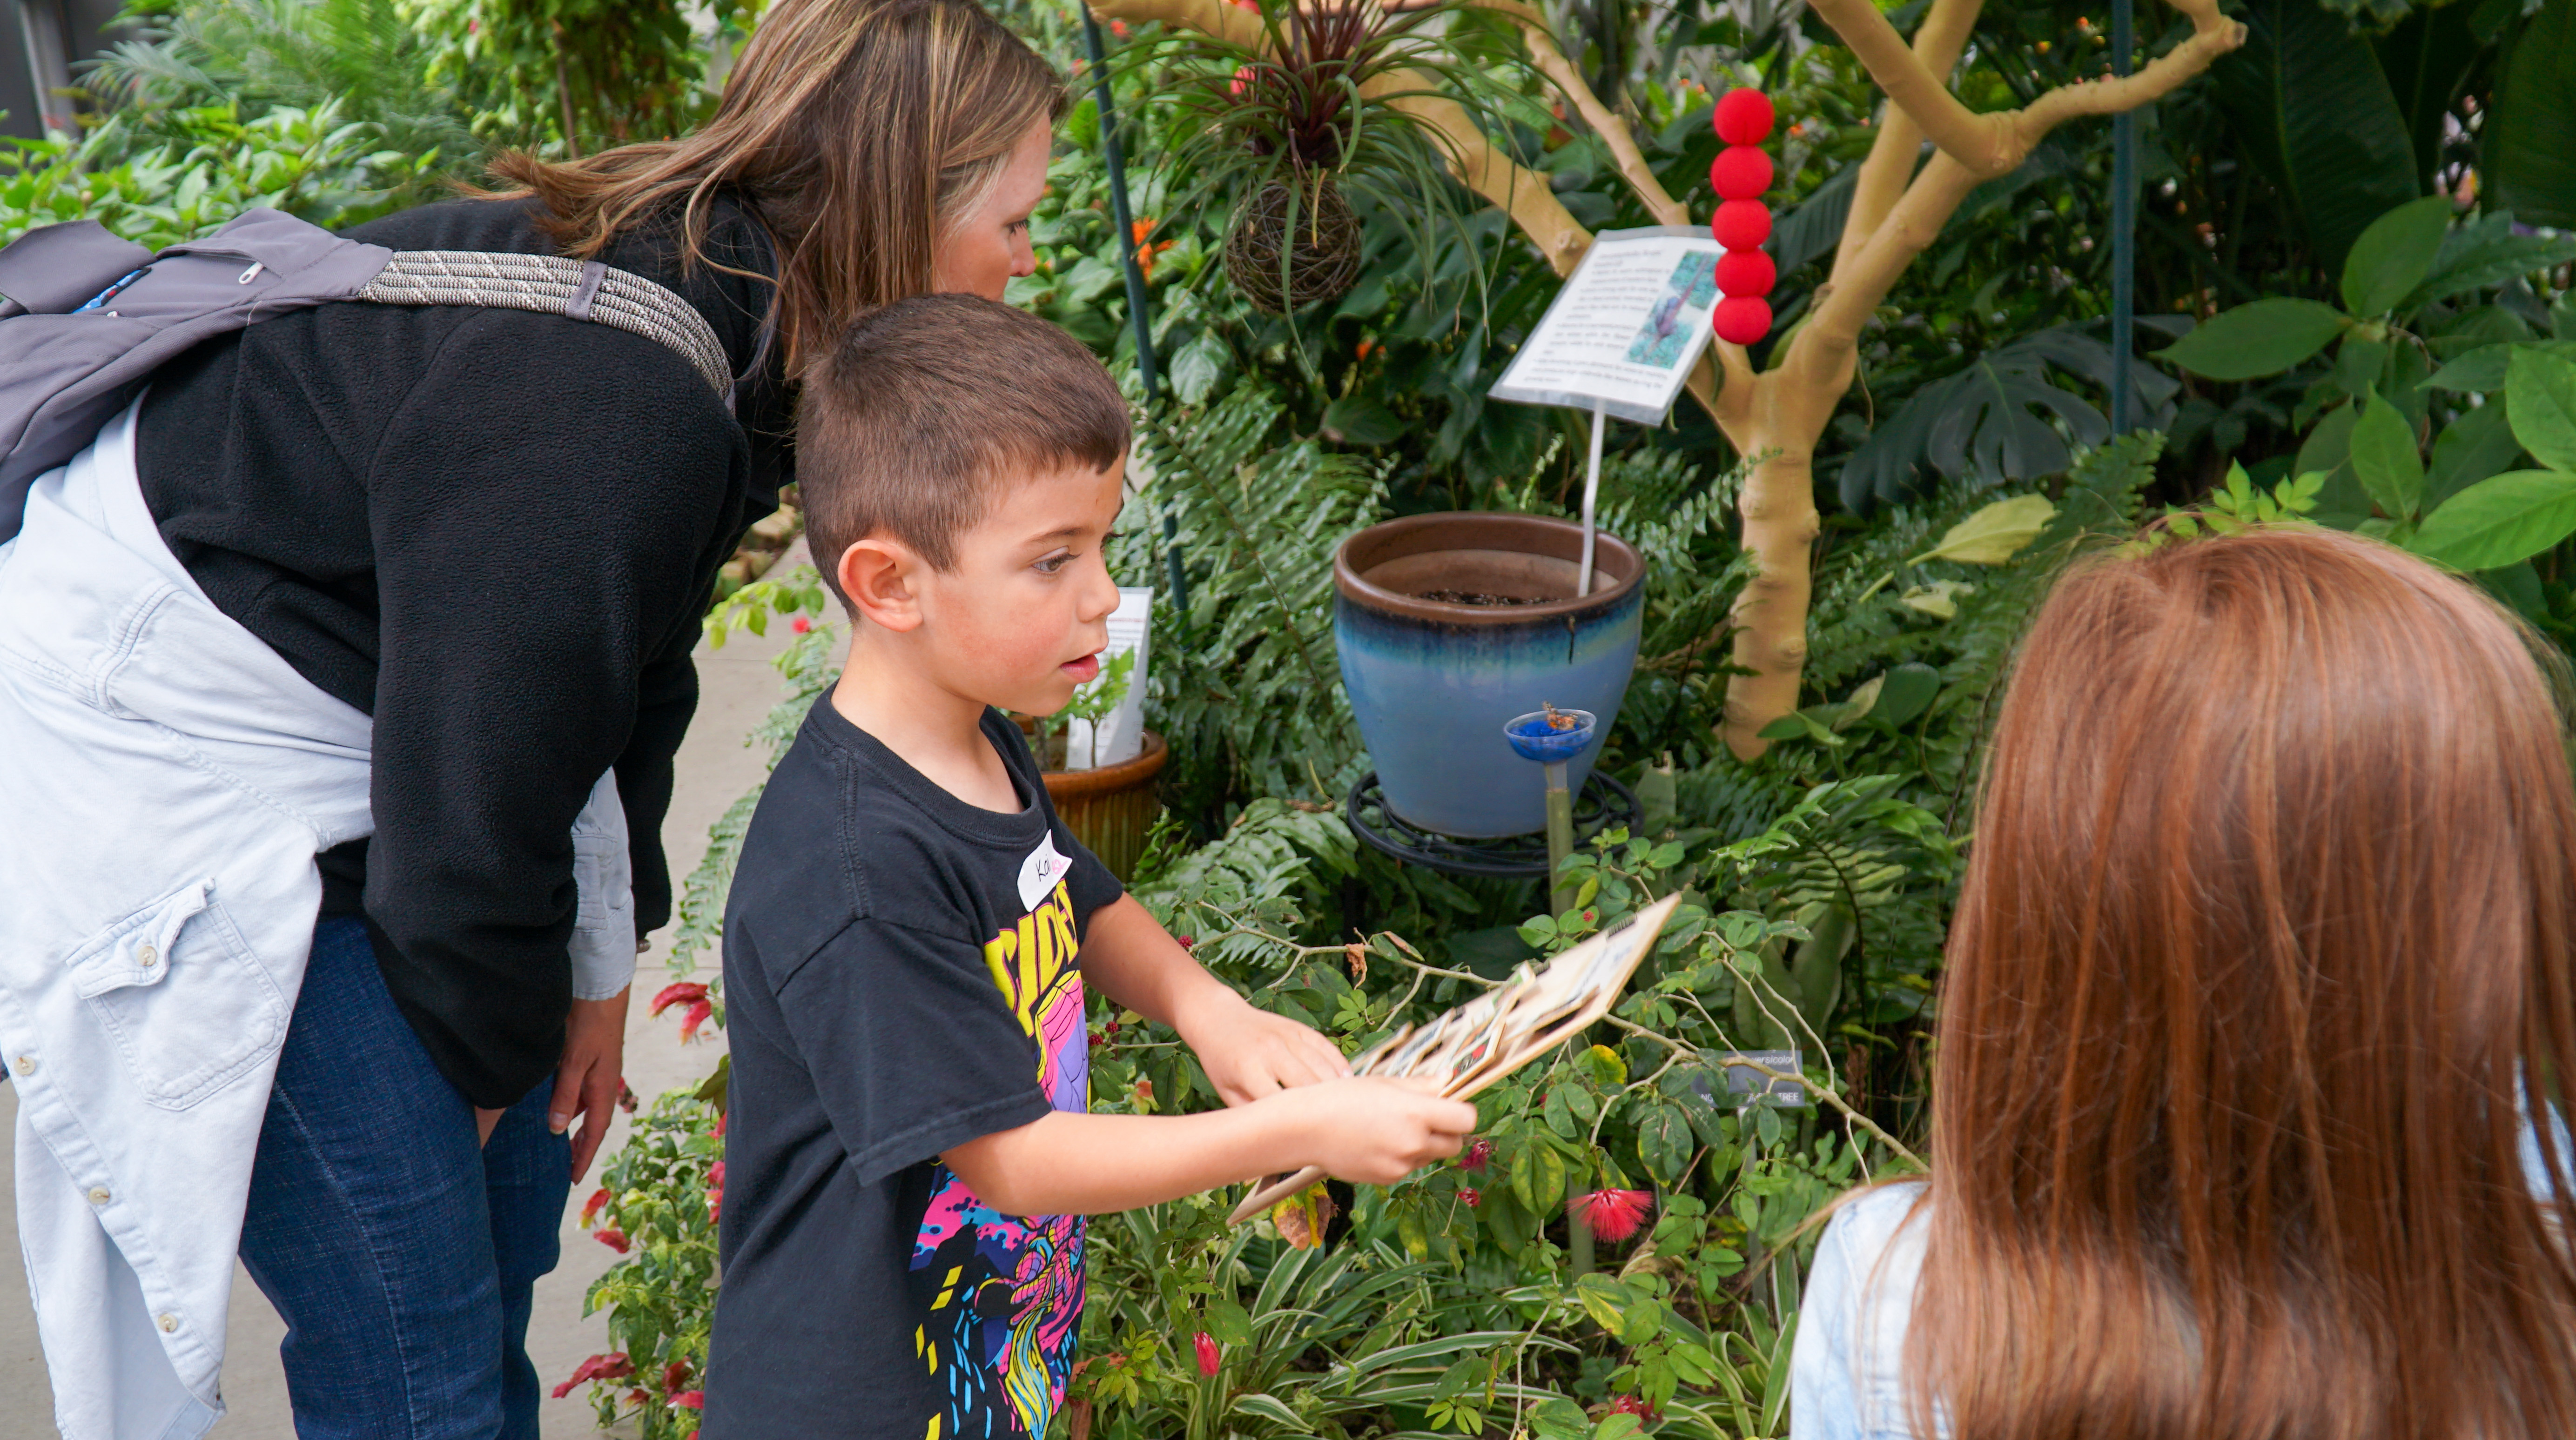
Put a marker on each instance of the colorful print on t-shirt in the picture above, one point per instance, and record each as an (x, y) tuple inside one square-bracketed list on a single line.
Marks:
[(1004, 1292)]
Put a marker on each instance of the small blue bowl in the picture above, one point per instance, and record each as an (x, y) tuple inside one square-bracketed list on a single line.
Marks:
[(1535, 739)]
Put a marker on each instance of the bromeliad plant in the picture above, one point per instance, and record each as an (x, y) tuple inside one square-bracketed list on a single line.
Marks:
[(1289, 105)]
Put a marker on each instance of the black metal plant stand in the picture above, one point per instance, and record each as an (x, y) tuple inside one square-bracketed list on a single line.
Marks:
[(1603, 805)]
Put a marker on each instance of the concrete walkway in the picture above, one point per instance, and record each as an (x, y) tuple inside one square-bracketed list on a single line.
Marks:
[(737, 689)]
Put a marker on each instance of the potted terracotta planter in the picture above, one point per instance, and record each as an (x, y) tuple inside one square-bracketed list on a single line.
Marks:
[(1110, 809), (1449, 625)]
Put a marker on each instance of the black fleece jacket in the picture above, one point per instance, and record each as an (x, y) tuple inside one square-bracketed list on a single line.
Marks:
[(495, 532)]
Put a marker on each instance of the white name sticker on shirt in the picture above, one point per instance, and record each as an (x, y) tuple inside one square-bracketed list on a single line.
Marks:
[(1041, 872)]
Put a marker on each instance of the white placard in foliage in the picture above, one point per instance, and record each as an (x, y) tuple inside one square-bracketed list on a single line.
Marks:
[(1122, 731), (1626, 327)]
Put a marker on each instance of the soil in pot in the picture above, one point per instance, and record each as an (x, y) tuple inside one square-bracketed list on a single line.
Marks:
[(1321, 238)]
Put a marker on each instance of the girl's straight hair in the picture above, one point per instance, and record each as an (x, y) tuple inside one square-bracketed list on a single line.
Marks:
[(2261, 963), (856, 130)]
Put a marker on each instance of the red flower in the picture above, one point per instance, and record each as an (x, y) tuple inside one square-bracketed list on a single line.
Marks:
[(1187, 941), (639, 1397), (611, 1366), (673, 1374), (679, 993), (721, 1118), (1637, 1406), (590, 1207), (696, 1017), (1209, 1353), (802, 625), (1472, 1197), (715, 1174), (1613, 1214), (715, 1192), (613, 1238), (1478, 1156), (689, 1400)]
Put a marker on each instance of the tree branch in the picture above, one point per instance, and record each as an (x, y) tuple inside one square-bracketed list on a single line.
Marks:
[(1995, 144), (1605, 122), (1938, 43)]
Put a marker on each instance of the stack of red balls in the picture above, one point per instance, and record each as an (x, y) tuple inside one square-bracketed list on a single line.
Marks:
[(1739, 175)]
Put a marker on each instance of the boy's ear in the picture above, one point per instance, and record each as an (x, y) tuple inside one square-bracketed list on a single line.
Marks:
[(876, 576)]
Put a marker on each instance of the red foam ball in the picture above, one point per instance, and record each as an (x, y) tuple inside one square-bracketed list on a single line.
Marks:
[(1741, 224), (1743, 117), (1745, 272), (1741, 319), (1740, 172)]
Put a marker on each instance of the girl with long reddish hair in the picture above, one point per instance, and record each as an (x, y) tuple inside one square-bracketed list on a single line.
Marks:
[(2261, 971)]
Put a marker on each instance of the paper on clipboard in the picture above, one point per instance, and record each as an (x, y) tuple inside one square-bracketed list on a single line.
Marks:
[(1626, 327), (1470, 1048)]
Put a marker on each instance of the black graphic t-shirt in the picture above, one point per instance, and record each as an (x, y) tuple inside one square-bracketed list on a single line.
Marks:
[(901, 976)]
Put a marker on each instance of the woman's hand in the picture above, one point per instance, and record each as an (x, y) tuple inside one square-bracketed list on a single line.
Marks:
[(587, 1082), (1249, 1053)]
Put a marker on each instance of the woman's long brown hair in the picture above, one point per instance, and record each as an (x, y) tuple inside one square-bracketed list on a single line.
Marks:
[(855, 129), (2270, 911)]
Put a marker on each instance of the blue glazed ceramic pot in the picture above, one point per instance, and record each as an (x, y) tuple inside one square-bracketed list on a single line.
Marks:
[(1433, 680)]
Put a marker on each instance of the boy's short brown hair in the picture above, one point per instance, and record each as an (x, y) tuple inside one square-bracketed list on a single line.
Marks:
[(924, 411)]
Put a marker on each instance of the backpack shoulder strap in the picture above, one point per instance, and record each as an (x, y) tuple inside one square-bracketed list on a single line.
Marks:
[(554, 285), (66, 366)]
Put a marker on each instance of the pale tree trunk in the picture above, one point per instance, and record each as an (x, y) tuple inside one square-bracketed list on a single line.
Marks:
[(1777, 416)]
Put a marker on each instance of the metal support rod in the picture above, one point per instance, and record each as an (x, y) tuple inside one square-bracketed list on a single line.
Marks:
[(1560, 837), (1591, 493), (2124, 234), (1137, 314), (1118, 213)]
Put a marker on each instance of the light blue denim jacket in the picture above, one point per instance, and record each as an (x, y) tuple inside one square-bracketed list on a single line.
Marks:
[(165, 782), (1845, 1376)]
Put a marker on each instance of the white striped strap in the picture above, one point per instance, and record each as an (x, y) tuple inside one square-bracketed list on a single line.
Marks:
[(554, 285)]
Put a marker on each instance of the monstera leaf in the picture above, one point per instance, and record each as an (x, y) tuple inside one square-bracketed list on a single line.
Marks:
[(1994, 418)]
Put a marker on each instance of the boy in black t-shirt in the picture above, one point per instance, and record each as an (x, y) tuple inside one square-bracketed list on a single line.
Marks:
[(911, 929)]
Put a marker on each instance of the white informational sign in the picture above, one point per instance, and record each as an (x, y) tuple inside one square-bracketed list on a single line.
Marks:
[(1122, 731), (1626, 328)]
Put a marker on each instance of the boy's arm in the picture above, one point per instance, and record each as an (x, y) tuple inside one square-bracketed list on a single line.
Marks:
[(1069, 1163), (1248, 1053)]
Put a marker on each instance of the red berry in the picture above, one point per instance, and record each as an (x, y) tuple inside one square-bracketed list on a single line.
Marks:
[(1742, 319), (1740, 172), (1744, 117), (1745, 272), (1741, 224)]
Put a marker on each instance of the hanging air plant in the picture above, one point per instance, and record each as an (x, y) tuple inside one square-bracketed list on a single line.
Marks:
[(1302, 106)]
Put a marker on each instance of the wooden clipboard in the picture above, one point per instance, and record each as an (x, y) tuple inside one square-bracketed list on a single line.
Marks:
[(1474, 1046)]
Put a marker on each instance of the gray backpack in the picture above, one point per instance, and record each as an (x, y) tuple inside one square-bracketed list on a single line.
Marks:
[(85, 318)]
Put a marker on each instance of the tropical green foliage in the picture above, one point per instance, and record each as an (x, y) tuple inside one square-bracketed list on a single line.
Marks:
[(204, 167), (2430, 388)]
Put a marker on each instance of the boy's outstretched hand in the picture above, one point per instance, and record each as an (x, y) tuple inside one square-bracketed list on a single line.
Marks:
[(1249, 1053), (1376, 1132)]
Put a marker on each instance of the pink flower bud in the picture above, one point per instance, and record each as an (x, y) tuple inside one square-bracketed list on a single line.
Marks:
[(1209, 1353)]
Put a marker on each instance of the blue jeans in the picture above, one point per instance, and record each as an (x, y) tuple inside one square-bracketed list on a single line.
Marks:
[(401, 1258)]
